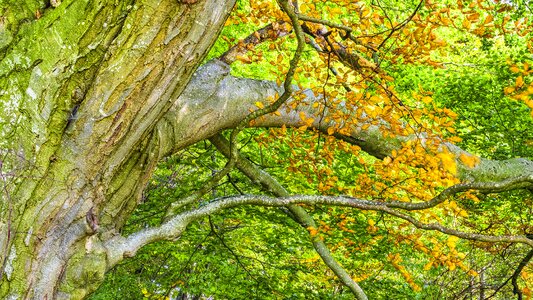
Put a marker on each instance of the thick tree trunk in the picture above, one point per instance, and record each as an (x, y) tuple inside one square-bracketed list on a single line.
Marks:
[(82, 88)]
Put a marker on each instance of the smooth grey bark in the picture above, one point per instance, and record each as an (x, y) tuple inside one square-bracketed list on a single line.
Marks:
[(218, 101)]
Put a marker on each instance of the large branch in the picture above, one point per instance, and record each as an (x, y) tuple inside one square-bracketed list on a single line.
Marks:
[(215, 100)]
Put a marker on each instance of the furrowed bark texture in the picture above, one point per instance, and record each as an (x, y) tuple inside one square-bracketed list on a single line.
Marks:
[(82, 87)]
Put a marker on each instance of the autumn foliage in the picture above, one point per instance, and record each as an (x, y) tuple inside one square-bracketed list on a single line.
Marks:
[(370, 136)]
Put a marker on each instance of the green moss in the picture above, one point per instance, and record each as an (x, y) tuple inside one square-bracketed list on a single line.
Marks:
[(84, 275)]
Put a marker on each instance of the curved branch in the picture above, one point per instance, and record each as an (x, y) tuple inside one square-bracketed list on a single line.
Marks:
[(120, 247), (486, 187)]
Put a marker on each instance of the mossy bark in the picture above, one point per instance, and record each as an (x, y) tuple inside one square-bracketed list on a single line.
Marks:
[(83, 86)]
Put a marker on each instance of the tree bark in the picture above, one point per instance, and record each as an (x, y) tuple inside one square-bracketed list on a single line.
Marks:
[(84, 84), (92, 97)]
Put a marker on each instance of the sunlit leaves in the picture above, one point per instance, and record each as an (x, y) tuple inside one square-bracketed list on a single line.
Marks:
[(260, 105), (522, 88), (469, 160)]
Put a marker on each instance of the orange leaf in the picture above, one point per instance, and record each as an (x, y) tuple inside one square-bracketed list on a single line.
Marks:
[(519, 81), (469, 160), (488, 19), (466, 24), (244, 59)]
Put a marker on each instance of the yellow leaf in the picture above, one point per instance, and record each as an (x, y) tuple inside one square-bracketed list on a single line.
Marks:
[(519, 81), (452, 242), (448, 162), (259, 104), (508, 90), (375, 99), (331, 130), (469, 160), (515, 69)]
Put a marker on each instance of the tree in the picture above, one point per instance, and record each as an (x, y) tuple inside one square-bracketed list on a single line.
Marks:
[(95, 94)]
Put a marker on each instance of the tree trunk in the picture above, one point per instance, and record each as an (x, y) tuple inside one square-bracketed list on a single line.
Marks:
[(82, 87)]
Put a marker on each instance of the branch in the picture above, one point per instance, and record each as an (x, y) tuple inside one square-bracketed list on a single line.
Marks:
[(270, 32), (521, 266), (119, 247), (514, 277), (297, 213), (214, 100), (485, 187)]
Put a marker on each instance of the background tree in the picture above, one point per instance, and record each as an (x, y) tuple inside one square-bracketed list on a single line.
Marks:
[(95, 94)]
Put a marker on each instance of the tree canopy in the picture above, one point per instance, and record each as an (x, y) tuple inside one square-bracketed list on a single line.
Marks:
[(335, 149)]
